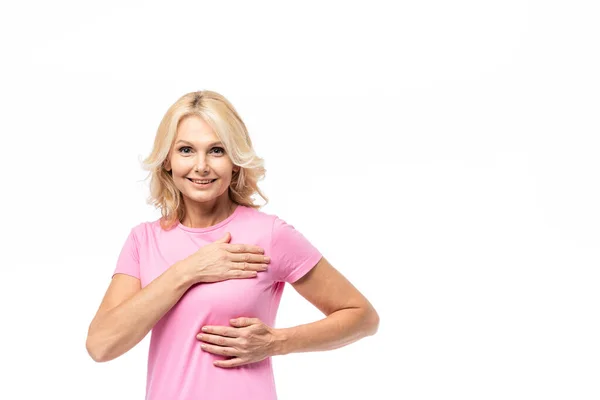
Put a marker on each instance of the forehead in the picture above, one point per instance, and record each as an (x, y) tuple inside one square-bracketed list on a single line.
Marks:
[(194, 129)]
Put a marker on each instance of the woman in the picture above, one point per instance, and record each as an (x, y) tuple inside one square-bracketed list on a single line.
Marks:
[(207, 277)]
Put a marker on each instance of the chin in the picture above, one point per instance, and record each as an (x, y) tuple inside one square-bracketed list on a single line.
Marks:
[(205, 196)]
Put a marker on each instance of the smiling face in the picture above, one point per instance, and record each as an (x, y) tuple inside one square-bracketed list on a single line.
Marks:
[(200, 167)]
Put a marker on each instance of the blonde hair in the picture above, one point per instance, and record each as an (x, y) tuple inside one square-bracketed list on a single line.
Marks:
[(219, 113)]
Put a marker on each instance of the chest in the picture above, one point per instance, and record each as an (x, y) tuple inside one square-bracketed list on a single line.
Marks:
[(229, 298)]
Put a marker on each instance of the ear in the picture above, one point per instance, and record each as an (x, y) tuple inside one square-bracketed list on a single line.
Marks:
[(167, 165)]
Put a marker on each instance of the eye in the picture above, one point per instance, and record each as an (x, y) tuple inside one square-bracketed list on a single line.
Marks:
[(220, 150), (183, 148)]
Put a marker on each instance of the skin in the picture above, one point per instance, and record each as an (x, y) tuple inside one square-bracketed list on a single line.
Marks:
[(196, 147), (349, 315)]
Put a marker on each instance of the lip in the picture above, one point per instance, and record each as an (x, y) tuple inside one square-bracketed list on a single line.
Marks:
[(201, 185)]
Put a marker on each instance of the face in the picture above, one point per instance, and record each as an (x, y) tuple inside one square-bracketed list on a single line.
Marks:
[(198, 155)]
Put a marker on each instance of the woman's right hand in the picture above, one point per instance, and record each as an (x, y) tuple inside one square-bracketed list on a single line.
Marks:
[(221, 260)]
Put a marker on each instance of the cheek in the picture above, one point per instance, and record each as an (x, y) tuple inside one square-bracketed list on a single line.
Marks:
[(179, 173), (224, 167), (182, 167)]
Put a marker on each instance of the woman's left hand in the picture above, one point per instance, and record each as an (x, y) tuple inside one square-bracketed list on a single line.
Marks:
[(249, 341)]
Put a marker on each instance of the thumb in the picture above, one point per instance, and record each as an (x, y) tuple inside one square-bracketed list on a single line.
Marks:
[(225, 238)]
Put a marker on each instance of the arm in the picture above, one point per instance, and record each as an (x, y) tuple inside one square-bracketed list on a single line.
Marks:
[(128, 313), (350, 316), (119, 325)]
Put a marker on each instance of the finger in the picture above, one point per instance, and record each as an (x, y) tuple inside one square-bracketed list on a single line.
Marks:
[(217, 340), (244, 266), (240, 322), (221, 331), (225, 238), (232, 362), (239, 274), (244, 248), (249, 257), (221, 351)]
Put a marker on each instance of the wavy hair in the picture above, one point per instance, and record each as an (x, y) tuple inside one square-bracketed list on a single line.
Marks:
[(219, 113)]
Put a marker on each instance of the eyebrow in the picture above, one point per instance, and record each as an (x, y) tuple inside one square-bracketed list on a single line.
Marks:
[(210, 145)]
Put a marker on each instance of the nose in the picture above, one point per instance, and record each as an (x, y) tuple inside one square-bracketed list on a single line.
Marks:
[(201, 164)]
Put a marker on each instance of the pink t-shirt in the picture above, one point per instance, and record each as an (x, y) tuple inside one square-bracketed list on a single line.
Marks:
[(178, 369)]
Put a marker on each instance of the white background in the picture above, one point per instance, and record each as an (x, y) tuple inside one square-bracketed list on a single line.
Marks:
[(442, 155)]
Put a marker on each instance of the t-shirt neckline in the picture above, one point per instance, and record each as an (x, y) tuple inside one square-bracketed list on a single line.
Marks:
[(235, 212)]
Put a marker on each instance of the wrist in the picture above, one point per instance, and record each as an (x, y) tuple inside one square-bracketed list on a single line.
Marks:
[(181, 275), (280, 342)]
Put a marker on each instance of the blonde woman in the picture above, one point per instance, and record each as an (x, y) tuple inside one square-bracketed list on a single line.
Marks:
[(207, 277)]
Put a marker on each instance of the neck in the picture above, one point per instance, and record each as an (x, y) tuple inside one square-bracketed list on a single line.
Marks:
[(204, 215)]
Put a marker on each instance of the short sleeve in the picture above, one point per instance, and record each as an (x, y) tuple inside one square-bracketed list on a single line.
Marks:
[(129, 260), (292, 255)]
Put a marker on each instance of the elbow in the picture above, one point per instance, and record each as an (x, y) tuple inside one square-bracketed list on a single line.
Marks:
[(373, 324), (95, 352)]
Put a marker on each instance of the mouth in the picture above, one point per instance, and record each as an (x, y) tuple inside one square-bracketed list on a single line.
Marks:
[(201, 182)]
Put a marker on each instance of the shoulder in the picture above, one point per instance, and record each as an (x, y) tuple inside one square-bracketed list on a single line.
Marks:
[(257, 216), (146, 229), (272, 226), (275, 222)]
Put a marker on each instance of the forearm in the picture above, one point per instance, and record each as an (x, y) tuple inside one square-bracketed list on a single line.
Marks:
[(116, 331), (336, 330)]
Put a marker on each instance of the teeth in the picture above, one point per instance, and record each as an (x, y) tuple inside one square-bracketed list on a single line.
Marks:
[(206, 181)]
